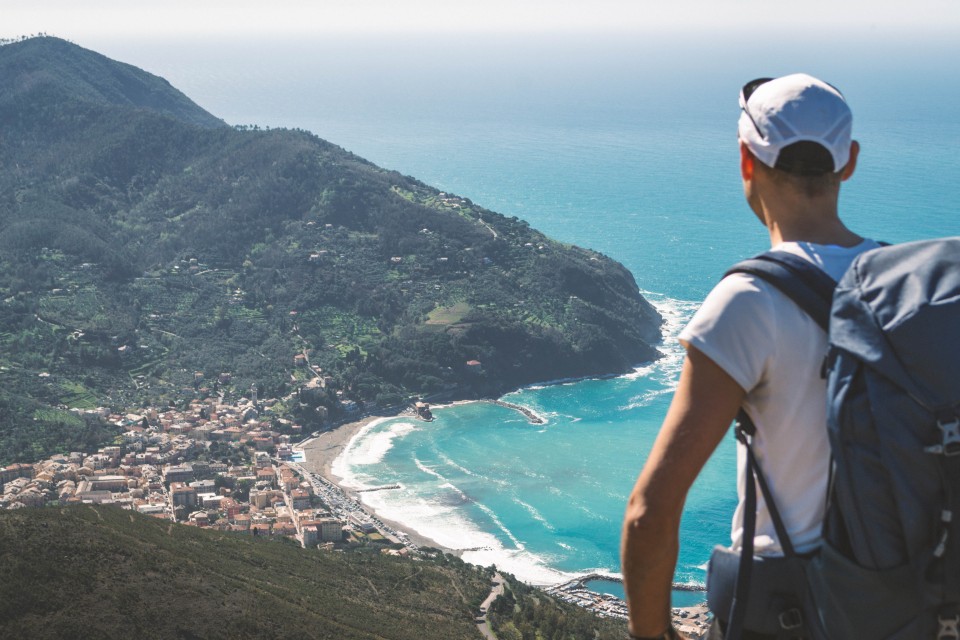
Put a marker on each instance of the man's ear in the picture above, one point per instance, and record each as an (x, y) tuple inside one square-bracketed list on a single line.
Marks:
[(852, 163), (747, 160)]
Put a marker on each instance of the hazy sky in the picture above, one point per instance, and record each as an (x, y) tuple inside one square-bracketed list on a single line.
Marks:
[(85, 19)]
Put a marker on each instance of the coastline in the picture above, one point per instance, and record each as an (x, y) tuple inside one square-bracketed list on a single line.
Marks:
[(321, 451)]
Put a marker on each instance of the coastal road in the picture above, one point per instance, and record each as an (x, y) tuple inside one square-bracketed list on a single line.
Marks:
[(483, 623)]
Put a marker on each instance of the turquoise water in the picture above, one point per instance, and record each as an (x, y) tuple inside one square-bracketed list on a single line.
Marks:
[(542, 501), (626, 146)]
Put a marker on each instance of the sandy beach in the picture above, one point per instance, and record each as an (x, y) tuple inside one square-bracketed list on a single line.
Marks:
[(321, 451)]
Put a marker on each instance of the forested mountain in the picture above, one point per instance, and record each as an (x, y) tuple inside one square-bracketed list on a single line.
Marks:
[(146, 248)]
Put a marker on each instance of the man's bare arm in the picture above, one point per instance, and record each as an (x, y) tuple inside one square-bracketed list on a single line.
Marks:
[(704, 405)]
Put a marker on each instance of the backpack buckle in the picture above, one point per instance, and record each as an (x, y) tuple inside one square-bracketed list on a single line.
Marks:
[(950, 444), (949, 628), (792, 619), (951, 437)]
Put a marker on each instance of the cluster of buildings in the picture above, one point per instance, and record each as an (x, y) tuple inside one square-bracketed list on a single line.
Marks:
[(576, 592), (209, 465), (692, 622)]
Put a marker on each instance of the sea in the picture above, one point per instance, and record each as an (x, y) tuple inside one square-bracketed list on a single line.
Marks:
[(623, 143)]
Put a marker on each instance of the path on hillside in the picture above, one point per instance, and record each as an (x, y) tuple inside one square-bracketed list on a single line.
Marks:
[(489, 228), (483, 622)]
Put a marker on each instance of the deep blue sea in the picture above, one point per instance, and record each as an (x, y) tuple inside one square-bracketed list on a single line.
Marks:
[(626, 145)]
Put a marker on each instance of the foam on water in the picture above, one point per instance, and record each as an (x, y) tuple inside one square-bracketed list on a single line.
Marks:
[(675, 314), (645, 399), (373, 450), (450, 462), (446, 524), (526, 566), (450, 527), (427, 469), (518, 545), (536, 515), (367, 447), (666, 370)]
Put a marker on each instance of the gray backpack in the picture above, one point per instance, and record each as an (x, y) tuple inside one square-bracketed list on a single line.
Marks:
[(889, 567)]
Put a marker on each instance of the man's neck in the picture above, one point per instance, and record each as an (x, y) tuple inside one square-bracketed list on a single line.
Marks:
[(790, 217), (829, 232)]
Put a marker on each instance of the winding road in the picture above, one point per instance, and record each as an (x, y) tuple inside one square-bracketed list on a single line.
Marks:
[(483, 622)]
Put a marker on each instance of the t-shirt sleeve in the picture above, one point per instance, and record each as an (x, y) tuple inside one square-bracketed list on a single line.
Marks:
[(735, 327)]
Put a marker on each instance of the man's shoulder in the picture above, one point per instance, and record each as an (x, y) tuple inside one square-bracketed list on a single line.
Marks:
[(740, 301), (736, 327), (744, 304), (742, 290)]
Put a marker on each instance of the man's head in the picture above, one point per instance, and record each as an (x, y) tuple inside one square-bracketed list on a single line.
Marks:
[(797, 131), (797, 124)]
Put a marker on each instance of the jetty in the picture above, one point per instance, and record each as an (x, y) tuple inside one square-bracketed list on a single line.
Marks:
[(385, 487), (528, 413)]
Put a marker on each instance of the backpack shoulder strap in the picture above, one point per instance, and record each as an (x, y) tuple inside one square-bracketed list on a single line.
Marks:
[(800, 280), (812, 290)]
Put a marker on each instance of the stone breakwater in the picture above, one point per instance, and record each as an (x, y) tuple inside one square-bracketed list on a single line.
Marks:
[(387, 487), (530, 414)]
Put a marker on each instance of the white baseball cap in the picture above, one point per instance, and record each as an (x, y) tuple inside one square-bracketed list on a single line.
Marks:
[(779, 112)]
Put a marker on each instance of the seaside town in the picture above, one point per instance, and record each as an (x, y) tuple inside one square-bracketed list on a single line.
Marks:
[(210, 465)]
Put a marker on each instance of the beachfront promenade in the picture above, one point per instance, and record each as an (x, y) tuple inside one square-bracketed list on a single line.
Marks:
[(345, 507)]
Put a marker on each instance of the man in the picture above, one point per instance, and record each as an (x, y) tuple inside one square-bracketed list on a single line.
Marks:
[(750, 346)]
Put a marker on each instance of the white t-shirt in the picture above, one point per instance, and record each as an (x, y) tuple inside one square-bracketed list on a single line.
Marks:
[(774, 351)]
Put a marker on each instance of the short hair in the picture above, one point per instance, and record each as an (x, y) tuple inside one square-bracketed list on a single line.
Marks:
[(803, 165), (805, 158)]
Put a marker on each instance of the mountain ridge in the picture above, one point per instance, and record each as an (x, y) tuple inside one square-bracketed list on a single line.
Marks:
[(47, 63)]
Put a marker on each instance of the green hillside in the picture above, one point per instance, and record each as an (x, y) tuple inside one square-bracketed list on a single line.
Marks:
[(101, 572), (143, 241)]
